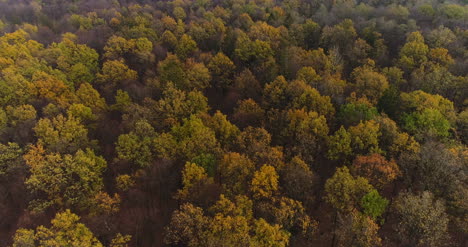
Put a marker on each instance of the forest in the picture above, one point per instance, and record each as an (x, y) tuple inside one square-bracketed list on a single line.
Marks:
[(233, 123)]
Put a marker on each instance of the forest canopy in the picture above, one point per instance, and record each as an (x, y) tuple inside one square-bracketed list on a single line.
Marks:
[(233, 123)]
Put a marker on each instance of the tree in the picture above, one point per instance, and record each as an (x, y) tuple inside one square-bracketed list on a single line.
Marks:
[(90, 97), (353, 113), (65, 231), (428, 122), (414, 52), (265, 183), (298, 181), (339, 144), (172, 70), (434, 168), (51, 89), (365, 137), (78, 61), (176, 105), (344, 192), (247, 86), (422, 219), (115, 71), (310, 76), (198, 75), (185, 47), (376, 169), (120, 240), (341, 35), (221, 68), (65, 180), (373, 204), (274, 93), (194, 178), (235, 172), (187, 141), (179, 13), (252, 51), (253, 141), (356, 229), (288, 213), (20, 120), (269, 235), (62, 134), (136, 146), (10, 158), (226, 132), (419, 101), (311, 100), (248, 113), (369, 83), (305, 133)]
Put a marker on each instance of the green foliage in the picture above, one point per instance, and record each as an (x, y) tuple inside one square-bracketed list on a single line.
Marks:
[(185, 47), (187, 141), (115, 71), (430, 122), (352, 113), (62, 134), (136, 146), (373, 204), (339, 144), (10, 158), (67, 180), (222, 68), (344, 192), (64, 231)]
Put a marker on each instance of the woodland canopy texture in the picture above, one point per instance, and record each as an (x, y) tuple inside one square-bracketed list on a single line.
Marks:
[(233, 123)]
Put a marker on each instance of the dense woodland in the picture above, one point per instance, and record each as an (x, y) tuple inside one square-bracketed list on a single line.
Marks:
[(233, 123)]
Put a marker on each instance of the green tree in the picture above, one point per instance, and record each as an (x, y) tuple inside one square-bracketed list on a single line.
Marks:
[(187, 141), (414, 52), (176, 105), (79, 62), (10, 158), (365, 137), (172, 70), (65, 180), (339, 144), (222, 70), (344, 192), (62, 134), (136, 146), (114, 72), (353, 113), (428, 122), (373, 204), (185, 47), (64, 231)]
